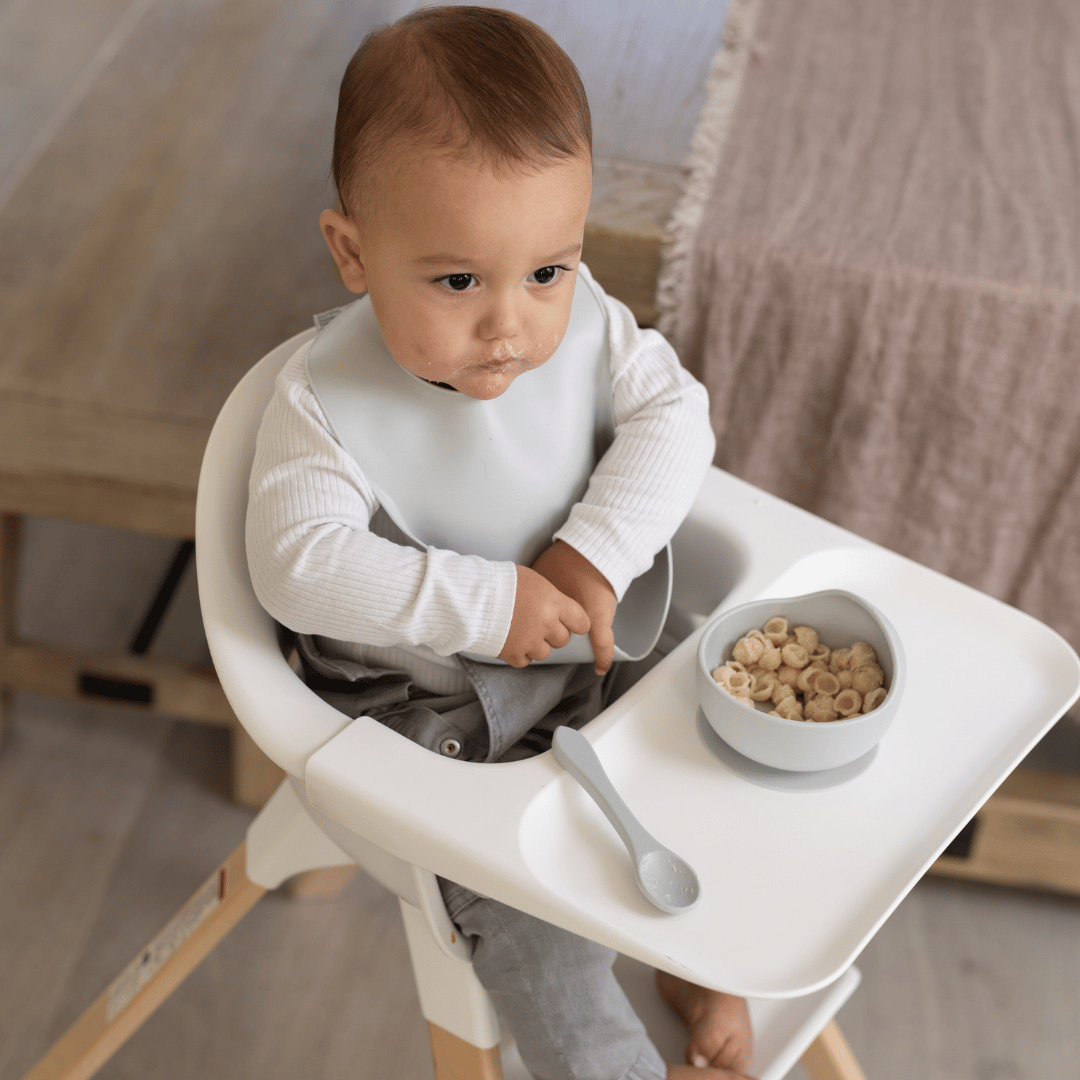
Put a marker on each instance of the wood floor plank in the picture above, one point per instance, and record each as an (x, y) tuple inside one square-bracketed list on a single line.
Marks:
[(317, 989), (64, 820)]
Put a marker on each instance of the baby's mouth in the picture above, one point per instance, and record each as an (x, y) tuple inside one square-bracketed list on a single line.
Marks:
[(502, 357)]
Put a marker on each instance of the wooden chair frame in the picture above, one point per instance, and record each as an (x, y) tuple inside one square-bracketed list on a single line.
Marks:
[(226, 896)]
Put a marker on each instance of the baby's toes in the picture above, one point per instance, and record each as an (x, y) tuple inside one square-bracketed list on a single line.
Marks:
[(733, 1053), (721, 1037)]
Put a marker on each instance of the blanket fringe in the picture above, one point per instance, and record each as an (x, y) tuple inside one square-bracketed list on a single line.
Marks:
[(721, 92)]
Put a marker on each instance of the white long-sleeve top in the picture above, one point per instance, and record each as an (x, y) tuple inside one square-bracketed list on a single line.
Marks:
[(317, 567)]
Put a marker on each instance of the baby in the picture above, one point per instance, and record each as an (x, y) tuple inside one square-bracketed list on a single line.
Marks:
[(473, 462)]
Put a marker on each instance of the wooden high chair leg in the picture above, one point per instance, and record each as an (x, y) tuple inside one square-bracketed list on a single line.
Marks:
[(222, 901), (830, 1058), (456, 1059)]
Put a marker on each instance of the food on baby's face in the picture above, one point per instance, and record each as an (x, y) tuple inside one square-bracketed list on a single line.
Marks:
[(801, 676)]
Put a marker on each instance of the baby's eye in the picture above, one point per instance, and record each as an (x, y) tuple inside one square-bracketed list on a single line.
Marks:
[(545, 275), (457, 282)]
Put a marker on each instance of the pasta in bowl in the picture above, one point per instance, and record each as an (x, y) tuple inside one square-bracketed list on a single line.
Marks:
[(804, 683)]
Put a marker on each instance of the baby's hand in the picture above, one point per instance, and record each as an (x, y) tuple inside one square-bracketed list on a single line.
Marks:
[(571, 573), (543, 619)]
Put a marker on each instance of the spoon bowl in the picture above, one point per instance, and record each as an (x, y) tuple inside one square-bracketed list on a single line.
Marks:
[(668, 881)]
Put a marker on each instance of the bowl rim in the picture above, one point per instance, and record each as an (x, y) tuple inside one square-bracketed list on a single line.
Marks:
[(891, 636)]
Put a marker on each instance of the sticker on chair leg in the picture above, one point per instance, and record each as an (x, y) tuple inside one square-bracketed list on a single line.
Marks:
[(158, 953)]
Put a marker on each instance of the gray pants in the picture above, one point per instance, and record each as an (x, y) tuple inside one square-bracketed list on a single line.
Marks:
[(555, 991)]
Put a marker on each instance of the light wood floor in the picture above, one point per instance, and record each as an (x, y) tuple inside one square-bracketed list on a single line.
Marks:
[(109, 820)]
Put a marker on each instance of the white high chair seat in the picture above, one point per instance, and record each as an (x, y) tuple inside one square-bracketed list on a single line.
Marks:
[(291, 725), (523, 832)]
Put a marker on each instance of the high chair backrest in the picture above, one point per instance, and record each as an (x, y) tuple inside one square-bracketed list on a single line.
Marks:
[(241, 635)]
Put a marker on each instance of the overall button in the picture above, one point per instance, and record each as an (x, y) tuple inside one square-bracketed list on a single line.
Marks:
[(450, 747)]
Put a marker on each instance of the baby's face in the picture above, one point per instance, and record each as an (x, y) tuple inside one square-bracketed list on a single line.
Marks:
[(471, 273)]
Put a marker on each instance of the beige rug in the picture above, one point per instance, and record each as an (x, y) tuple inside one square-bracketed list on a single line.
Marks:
[(878, 278)]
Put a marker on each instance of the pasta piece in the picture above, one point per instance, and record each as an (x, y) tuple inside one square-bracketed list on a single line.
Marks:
[(845, 679), (820, 652), (822, 709), (764, 683), (840, 660), (865, 679), (790, 709), (787, 675), (805, 681), (776, 630), (782, 691), (807, 637), (770, 658), (848, 703), (873, 699), (826, 684), (748, 650), (726, 672), (738, 683), (862, 654), (794, 655)]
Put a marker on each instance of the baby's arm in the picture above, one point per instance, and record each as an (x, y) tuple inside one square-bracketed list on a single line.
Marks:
[(316, 566), (573, 575), (544, 618), (644, 486)]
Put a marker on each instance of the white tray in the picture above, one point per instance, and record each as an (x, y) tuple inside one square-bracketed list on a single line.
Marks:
[(797, 873)]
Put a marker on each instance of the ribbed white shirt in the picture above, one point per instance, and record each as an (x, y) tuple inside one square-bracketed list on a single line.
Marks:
[(318, 569)]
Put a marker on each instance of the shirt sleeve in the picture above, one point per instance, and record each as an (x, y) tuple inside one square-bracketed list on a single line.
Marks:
[(645, 484), (316, 566)]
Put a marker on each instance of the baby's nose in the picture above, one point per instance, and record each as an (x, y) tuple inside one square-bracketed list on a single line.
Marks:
[(500, 320)]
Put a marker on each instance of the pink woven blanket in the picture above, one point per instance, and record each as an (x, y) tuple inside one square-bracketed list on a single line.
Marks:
[(883, 295)]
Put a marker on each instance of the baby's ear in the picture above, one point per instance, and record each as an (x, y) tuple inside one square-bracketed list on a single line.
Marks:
[(343, 239)]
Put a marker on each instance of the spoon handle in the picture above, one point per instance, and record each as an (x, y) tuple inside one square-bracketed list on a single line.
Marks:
[(575, 754)]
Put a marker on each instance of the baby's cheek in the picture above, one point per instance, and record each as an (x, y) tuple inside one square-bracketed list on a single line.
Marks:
[(547, 346)]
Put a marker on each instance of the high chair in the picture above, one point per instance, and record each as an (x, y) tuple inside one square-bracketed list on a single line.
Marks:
[(821, 859)]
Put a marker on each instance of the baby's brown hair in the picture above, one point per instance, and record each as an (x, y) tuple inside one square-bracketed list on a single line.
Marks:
[(473, 81)]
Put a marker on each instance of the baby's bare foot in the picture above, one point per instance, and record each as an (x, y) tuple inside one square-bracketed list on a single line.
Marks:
[(719, 1024)]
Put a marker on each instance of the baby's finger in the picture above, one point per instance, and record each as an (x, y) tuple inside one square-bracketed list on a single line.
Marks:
[(574, 618), (603, 647), (540, 652)]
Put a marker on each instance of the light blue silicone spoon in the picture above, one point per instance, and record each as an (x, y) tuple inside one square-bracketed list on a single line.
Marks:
[(666, 880)]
